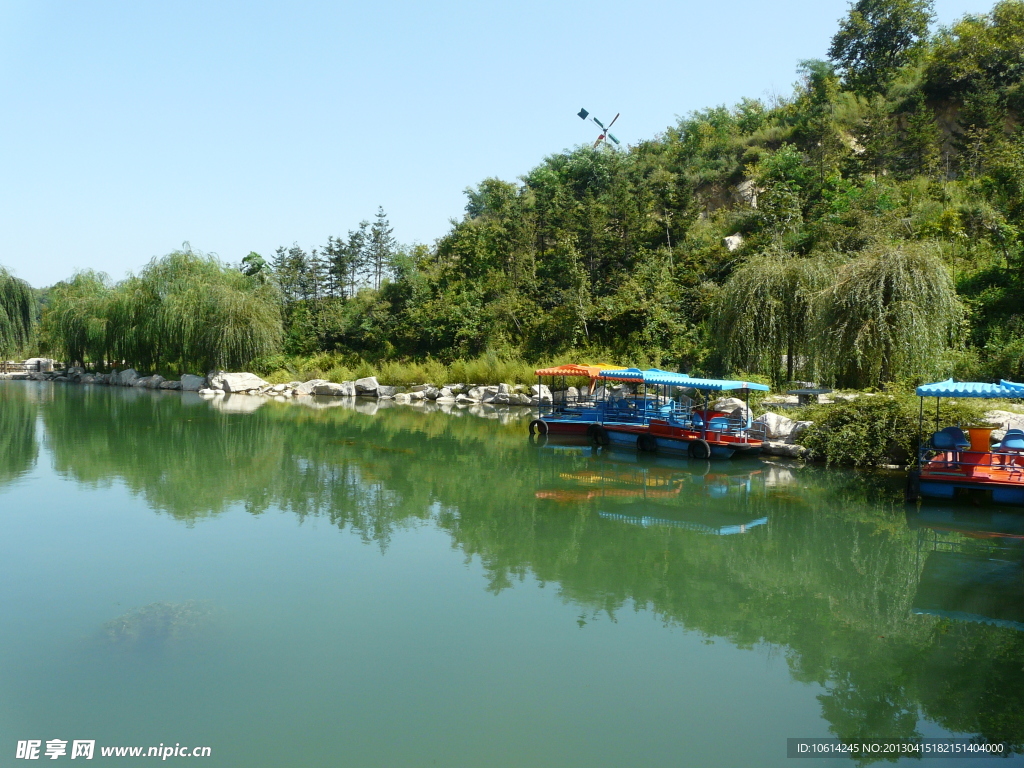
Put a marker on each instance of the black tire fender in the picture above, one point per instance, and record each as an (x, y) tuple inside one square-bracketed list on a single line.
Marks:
[(913, 489), (538, 427), (647, 443), (598, 434), (699, 449)]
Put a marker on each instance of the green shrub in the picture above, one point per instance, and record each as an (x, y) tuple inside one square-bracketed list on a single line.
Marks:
[(872, 431)]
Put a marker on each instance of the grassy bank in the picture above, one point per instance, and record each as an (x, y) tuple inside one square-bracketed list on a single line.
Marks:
[(485, 369)]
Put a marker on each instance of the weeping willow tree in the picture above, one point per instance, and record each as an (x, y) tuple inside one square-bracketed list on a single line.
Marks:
[(184, 311), (188, 311), (17, 313), (74, 326), (210, 315), (765, 314), (891, 314)]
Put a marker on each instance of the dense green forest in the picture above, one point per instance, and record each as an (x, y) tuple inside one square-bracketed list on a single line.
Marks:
[(865, 229)]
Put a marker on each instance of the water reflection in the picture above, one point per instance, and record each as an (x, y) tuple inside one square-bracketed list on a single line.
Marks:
[(18, 446), (636, 489), (973, 565), (823, 564)]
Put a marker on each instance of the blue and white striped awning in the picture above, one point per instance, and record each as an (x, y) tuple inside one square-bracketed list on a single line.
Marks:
[(950, 388), (670, 379)]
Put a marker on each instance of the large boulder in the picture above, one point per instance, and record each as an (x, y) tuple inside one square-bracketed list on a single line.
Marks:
[(155, 381), (127, 377), (333, 389), (783, 449), (727, 404), (328, 389), (307, 387), (384, 391), (367, 385), (175, 385), (776, 426), (798, 430), (235, 382), (192, 383)]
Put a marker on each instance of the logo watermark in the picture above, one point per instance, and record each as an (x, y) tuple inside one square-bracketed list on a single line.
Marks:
[(36, 749)]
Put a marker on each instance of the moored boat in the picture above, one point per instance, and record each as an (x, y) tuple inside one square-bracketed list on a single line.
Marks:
[(572, 415), (668, 426), (956, 463)]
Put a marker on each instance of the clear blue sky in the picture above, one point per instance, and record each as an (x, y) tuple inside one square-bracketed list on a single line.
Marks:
[(129, 127)]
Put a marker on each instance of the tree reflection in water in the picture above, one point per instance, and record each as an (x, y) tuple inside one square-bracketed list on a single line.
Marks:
[(823, 564)]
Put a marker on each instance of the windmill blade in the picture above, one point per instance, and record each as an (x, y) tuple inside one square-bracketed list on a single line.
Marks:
[(613, 138), (599, 140), (582, 114), (599, 123), (613, 120)]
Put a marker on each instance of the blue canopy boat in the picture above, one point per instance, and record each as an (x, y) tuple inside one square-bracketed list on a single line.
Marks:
[(954, 462), (667, 426)]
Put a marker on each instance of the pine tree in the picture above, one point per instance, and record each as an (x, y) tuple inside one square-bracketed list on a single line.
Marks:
[(380, 248)]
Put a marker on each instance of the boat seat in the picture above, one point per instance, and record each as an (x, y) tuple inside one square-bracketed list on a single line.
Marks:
[(950, 439), (1012, 441), (1010, 447), (719, 423)]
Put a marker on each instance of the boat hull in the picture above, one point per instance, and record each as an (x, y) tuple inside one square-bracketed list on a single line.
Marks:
[(972, 474), (659, 437)]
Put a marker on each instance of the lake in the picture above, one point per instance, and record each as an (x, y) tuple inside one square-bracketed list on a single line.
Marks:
[(300, 586)]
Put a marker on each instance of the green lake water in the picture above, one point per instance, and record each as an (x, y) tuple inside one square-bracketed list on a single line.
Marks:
[(299, 586)]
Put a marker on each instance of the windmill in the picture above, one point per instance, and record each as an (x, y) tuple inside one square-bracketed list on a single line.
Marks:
[(605, 132)]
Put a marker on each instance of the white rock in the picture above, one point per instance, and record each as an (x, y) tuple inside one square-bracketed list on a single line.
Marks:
[(366, 385), (403, 398), (799, 427), (727, 404), (127, 377), (783, 449), (235, 382), (732, 242), (306, 388), (777, 426), (541, 390), (330, 389)]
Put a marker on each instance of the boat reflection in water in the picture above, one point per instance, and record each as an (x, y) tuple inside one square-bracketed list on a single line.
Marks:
[(641, 490), (973, 565)]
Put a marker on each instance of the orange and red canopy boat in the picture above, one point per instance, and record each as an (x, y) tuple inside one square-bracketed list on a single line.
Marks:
[(590, 371)]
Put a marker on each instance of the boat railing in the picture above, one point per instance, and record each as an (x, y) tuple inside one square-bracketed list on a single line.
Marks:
[(997, 465)]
